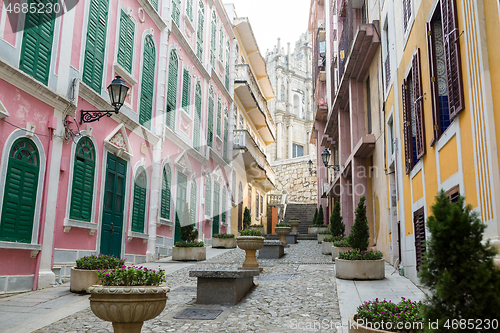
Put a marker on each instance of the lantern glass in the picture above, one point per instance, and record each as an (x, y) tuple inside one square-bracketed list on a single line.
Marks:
[(325, 156), (118, 92), (310, 165)]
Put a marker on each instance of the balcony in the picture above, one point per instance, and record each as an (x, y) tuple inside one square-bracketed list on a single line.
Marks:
[(249, 93), (254, 159)]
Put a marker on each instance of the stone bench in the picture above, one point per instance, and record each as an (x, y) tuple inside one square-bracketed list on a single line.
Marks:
[(272, 250), (222, 287)]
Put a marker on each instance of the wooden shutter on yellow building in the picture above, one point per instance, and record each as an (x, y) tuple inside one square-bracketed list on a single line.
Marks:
[(419, 105)]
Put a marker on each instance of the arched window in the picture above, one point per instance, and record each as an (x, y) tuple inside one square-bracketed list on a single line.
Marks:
[(219, 117), (139, 202), (213, 47), (208, 195), (192, 204), (166, 196), (173, 67), (210, 126), (199, 32), (197, 117), (147, 83), (19, 197), (221, 44), (82, 189), (36, 49)]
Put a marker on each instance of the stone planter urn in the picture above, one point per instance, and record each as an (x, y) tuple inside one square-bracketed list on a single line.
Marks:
[(283, 232), (338, 250), (250, 244), (127, 307), (225, 243), (326, 247), (360, 269), (322, 236), (294, 224), (259, 228), (189, 253), (82, 279), (316, 230), (358, 327)]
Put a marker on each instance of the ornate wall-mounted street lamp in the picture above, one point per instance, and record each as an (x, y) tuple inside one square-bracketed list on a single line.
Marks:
[(325, 156), (310, 167), (117, 92)]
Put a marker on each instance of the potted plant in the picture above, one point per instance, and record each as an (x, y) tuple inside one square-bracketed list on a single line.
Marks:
[(386, 316), (337, 228), (247, 218), (340, 245), (226, 241), (250, 241), (359, 263), (188, 248), (294, 222), (318, 223), (458, 266), (257, 227), (323, 234), (84, 274), (128, 296), (283, 230), (327, 245)]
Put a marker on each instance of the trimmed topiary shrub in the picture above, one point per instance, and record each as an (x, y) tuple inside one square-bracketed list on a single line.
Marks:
[(321, 218), (337, 227), (315, 216), (360, 234), (458, 268), (247, 218)]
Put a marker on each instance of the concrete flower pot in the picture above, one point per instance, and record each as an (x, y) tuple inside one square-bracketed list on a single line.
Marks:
[(338, 250), (322, 236), (127, 307), (250, 244), (226, 243), (189, 253), (82, 279), (357, 327), (315, 230), (360, 269), (326, 247), (294, 224), (261, 228), (283, 232)]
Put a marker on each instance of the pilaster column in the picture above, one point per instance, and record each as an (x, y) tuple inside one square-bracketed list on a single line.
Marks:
[(290, 141), (279, 141)]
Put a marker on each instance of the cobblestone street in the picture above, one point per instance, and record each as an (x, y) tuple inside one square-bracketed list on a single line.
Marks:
[(293, 293)]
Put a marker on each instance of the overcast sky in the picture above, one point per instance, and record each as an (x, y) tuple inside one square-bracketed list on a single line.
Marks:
[(271, 19)]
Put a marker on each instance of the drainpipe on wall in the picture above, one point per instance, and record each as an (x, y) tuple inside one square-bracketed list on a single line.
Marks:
[(154, 202)]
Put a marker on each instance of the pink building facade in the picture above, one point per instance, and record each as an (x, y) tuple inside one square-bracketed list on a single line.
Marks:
[(121, 185)]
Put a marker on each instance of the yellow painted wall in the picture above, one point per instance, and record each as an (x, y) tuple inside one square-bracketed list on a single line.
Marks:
[(448, 158), (417, 187)]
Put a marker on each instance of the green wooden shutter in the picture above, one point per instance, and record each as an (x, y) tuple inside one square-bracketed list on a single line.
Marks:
[(126, 42), (147, 83), (224, 205), (36, 48), (139, 208), (173, 67), (189, 9), (210, 126), (20, 192), (228, 50), (208, 195), (192, 204), (226, 129), (95, 44), (82, 191), (166, 193), (199, 33), (186, 90), (154, 3), (213, 39), (221, 45), (197, 117), (219, 118), (215, 222), (176, 12)]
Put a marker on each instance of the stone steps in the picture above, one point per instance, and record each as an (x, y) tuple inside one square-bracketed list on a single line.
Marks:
[(304, 212)]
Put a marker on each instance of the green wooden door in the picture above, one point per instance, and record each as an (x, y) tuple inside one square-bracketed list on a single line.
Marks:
[(180, 204), (19, 199), (114, 197), (215, 224)]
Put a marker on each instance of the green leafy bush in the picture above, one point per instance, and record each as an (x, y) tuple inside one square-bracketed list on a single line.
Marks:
[(223, 236), (250, 232), (337, 227), (247, 218), (131, 276), (361, 255), (360, 234), (389, 316), (190, 244), (283, 225), (100, 261), (341, 243), (329, 239), (325, 232), (458, 266)]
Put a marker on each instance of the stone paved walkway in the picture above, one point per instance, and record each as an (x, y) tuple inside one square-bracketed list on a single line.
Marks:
[(293, 293)]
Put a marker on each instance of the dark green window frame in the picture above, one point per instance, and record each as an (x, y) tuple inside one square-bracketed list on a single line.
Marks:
[(126, 42), (208, 195), (197, 116), (147, 83), (82, 189), (173, 69), (199, 32), (210, 121), (166, 193), (186, 90), (139, 201)]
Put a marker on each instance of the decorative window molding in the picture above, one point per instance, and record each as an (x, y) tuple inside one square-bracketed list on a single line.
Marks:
[(3, 111), (118, 69), (117, 143)]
